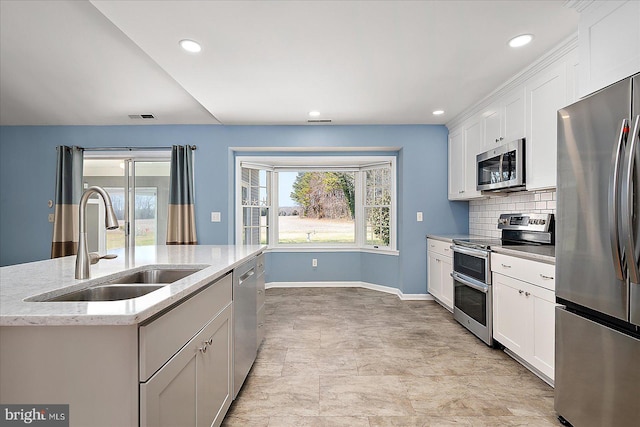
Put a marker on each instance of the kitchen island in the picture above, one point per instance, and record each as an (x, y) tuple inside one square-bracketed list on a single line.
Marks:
[(129, 362)]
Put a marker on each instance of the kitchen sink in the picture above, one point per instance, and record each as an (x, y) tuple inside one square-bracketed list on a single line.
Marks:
[(108, 293), (128, 286), (154, 275)]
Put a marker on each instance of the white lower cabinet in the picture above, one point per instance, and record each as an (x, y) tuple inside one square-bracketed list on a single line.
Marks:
[(524, 320), (440, 266)]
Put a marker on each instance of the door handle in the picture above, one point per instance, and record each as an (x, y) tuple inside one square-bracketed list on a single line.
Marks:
[(614, 196), (627, 204), (246, 275)]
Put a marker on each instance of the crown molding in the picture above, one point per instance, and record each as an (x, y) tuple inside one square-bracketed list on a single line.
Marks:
[(557, 53)]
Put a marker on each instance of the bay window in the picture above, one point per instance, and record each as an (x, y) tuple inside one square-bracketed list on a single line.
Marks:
[(317, 202)]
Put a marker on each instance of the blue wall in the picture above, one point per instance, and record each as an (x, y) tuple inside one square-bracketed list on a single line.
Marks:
[(27, 179)]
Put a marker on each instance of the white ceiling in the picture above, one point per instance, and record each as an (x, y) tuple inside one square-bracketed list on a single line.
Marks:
[(263, 62)]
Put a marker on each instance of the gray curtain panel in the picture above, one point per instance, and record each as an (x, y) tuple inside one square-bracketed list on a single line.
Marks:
[(181, 220), (68, 193)]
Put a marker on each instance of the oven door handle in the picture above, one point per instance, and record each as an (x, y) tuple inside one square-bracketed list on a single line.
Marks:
[(472, 252), (482, 288)]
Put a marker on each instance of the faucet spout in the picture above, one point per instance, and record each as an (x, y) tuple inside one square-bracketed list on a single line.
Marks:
[(83, 259)]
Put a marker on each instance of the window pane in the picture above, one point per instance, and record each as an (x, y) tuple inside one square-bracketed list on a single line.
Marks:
[(255, 206), (316, 207), (377, 209)]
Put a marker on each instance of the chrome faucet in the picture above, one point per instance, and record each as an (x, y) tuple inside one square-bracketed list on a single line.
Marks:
[(84, 258)]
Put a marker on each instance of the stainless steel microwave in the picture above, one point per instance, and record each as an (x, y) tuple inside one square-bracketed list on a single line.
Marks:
[(501, 168)]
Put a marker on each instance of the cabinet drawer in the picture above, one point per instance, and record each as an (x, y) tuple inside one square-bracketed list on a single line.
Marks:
[(535, 272), (164, 336), (440, 247)]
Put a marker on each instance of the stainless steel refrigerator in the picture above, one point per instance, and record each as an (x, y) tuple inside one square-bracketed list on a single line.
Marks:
[(597, 370)]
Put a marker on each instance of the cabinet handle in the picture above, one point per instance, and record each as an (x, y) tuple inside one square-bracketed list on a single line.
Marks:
[(209, 341), (501, 138), (433, 246), (546, 277), (461, 191), (446, 249), (526, 294), (203, 349), (520, 291), (437, 260), (259, 291), (506, 266), (260, 325)]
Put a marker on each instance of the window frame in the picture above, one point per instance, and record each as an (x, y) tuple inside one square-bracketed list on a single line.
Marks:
[(358, 164)]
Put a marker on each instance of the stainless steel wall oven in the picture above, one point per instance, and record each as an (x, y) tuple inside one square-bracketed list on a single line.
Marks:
[(472, 296)]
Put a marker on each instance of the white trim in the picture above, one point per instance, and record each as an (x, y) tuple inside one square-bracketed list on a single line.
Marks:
[(352, 284), (295, 249), (314, 149)]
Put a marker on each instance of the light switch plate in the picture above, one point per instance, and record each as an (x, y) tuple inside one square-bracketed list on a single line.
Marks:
[(50, 217), (215, 216), (419, 217)]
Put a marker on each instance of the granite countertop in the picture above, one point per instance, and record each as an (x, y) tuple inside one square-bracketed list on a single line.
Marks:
[(55, 277), (542, 253)]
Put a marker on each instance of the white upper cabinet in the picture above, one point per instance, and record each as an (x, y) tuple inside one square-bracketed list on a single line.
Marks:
[(609, 43), (504, 121), (546, 93), (464, 144), (456, 164), (473, 146)]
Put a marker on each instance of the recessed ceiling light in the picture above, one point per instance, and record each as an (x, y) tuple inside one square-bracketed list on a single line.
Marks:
[(438, 112), (190, 46), (521, 40), (314, 113)]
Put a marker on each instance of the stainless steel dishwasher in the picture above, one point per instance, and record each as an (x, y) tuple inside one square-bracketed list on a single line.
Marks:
[(245, 322)]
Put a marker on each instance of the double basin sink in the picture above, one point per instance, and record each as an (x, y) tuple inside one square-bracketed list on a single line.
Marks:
[(130, 286)]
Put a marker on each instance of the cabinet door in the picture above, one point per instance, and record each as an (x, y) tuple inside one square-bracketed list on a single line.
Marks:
[(546, 93), (473, 146), (214, 371), (492, 127), (456, 164), (609, 40), (446, 295), (513, 115), (543, 343), (434, 275), (511, 311), (169, 397)]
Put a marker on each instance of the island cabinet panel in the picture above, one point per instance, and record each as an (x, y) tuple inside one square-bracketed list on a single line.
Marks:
[(94, 369), (165, 335), (194, 388)]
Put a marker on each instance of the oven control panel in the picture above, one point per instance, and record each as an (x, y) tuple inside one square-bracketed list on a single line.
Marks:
[(526, 221)]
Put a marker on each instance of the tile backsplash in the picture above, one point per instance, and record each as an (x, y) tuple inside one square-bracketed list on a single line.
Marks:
[(484, 214)]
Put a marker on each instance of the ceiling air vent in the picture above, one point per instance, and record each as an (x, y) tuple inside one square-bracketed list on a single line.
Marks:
[(141, 116), (319, 121)]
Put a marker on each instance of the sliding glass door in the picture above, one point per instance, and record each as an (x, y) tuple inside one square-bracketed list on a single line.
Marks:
[(139, 190)]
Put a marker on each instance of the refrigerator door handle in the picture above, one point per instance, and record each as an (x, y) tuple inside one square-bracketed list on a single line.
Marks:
[(614, 196), (628, 204)]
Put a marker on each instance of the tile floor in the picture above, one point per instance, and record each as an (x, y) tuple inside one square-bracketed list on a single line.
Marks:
[(355, 357)]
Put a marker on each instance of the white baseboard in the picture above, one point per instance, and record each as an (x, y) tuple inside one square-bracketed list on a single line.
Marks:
[(354, 284)]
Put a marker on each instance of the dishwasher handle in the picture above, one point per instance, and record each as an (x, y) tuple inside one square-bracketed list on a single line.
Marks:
[(246, 275)]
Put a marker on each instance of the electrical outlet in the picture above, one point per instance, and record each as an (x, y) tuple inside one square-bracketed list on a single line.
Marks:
[(50, 217), (215, 216), (419, 217), (314, 262)]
